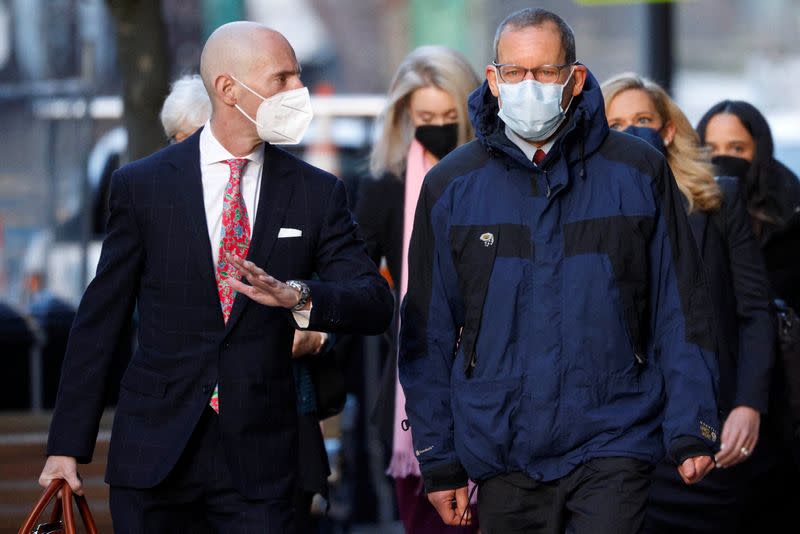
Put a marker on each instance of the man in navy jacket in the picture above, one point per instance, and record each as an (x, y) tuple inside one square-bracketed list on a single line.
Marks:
[(175, 464), (557, 333)]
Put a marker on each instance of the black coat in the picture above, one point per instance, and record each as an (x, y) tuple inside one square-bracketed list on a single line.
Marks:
[(379, 212), (740, 293)]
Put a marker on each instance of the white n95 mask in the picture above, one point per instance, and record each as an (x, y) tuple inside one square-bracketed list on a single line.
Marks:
[(283, 118)]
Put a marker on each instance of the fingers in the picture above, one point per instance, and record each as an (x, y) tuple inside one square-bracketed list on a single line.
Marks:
[(463, 512), (297, 344), (255, 275), (736, 449), (245, 267), (445, 504), (692, 470), (729, 452), (61, 467), (706, 465), (243, 288), (76, 483), (686, 471)]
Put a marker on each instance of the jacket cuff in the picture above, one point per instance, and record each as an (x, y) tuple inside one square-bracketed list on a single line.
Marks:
[(758, 402), (444, 477), (685, 447)]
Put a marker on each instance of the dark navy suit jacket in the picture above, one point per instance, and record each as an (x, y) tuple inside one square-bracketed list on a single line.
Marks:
[(157, 255)]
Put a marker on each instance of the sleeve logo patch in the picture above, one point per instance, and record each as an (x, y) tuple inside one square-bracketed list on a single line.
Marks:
[(708, 432), (423, 451), (487, 239)]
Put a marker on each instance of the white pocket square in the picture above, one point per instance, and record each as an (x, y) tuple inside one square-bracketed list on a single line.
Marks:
[(289, 232)]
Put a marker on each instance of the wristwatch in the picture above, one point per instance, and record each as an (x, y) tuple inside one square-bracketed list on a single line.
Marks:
[(305, 293)]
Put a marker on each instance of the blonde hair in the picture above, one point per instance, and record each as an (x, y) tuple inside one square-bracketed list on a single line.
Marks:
[(689, 161), (426, 66)]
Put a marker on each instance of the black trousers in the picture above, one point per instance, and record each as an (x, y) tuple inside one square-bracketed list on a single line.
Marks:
[(198, 496), (601, 496)]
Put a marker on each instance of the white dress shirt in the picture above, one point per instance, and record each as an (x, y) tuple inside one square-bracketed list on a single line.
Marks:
[(215, 174), (527, 148)]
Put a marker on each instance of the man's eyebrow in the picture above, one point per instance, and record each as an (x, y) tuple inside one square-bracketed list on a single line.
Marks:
[(287, 72)]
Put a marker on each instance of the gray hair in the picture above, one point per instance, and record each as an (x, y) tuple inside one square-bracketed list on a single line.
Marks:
[(536, 17), (187, 107), (426, 66)]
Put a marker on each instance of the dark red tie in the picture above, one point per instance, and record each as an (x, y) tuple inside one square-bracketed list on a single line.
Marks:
[(538, 156)]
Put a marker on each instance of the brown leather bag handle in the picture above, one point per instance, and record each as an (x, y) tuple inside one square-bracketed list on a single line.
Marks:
[(63, 507)]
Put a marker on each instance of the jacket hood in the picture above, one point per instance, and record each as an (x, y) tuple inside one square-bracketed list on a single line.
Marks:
[(587, 110)]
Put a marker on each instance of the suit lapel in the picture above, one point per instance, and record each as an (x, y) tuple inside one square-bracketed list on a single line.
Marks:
[(188, 196), (274, 198)]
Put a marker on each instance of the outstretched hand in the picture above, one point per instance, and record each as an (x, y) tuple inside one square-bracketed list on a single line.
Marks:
[(263, 288)]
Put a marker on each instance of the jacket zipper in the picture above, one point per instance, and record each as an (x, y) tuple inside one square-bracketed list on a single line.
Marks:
[(546, 183)]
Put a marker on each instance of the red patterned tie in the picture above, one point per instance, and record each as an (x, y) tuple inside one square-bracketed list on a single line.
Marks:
[(235, 239), (538, 156)]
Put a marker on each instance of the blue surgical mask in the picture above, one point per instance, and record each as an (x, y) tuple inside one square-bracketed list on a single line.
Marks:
[(651, 135), (533, 109)]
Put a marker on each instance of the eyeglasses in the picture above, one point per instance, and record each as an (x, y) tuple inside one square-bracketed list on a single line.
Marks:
[(544, 74)]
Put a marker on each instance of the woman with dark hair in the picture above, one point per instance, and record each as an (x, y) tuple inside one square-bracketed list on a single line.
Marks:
[(739, 290), (740, 142)]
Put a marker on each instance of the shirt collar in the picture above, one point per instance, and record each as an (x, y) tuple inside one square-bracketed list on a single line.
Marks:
[(528, 149), (212, 151)]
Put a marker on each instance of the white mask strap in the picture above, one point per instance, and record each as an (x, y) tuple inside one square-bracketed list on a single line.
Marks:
[(237, 80), (248, 117)]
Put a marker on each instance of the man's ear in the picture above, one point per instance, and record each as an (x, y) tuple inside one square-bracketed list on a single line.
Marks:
[(491, 77), (580, 78), (225, 89)]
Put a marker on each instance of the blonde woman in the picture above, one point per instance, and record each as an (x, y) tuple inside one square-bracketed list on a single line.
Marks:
[(425, 118), (738, 281)]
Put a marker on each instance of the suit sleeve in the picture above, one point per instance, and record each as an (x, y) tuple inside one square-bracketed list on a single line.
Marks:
[(350, 295), (683, 331), (432, 314), (756, 329), (105, 309)]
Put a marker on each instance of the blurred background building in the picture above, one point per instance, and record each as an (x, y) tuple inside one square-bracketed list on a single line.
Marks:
[(57, 55), (82, 81)]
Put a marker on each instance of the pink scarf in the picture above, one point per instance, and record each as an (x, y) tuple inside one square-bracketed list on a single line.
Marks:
[(404, 462)]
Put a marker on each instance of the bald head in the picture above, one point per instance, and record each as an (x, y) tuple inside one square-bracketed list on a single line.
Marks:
[(239, 48), (243, 62)]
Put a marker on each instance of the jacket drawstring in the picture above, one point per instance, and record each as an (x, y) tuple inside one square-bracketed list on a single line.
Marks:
[(583, 159)]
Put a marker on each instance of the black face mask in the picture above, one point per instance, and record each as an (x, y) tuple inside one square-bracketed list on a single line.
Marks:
[(438, 140), (731, 166)]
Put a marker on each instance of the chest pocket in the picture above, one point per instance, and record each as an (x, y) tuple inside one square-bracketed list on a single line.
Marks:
[(474, 249), (624, 240)]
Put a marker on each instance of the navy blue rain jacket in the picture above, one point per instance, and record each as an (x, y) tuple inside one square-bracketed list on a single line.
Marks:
[(554, 314)]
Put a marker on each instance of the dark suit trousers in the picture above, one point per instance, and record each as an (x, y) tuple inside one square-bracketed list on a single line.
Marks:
[(198, 496), (600, 496)]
